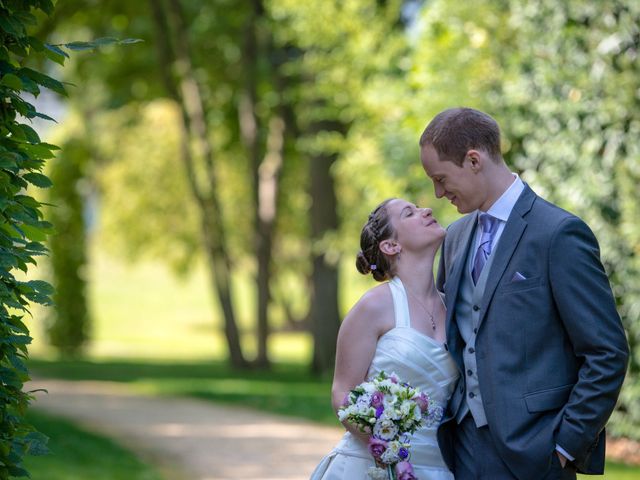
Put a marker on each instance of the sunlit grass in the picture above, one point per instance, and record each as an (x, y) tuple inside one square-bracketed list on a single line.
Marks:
[(77, 454), (616, 471), (145, 311)]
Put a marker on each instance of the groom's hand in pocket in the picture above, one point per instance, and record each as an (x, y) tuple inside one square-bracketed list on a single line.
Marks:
[(563, 459)]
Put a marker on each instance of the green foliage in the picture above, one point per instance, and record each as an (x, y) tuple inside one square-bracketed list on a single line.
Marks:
[(22, 228), (68, 321), (571, 113)]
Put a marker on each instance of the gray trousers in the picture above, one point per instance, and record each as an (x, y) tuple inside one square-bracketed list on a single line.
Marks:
[(476, 457)]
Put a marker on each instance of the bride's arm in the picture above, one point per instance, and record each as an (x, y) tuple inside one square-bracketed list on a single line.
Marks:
[(370, 318)]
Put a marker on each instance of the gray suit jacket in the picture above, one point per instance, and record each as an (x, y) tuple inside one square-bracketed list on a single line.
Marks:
[(551, 350)]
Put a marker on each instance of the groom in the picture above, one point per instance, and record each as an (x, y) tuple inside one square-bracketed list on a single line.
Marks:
[(531, 320)]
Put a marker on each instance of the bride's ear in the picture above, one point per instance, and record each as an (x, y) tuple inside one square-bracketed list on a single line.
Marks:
[(390, 247)]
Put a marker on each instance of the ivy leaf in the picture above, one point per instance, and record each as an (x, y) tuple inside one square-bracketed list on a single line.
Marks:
[(99, 42), (42, 79), (26, 18), (16, 132), (79, 46), (34, 233), (44, 116), (36, 443), (9, 160), (36, 44), (46, 6), (11, 26), (42, 287), (55, 53), (40, 150), (38, 179), (29, 133), (12, 81)]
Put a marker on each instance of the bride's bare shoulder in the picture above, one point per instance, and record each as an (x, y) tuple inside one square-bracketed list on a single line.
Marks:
[(374, 308)]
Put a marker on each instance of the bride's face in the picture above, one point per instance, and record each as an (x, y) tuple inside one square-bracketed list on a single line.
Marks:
[(415, 227)]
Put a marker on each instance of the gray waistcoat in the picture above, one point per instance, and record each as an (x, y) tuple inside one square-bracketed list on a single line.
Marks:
[(467, 313)]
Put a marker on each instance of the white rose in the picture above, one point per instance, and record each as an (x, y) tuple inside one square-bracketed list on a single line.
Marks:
[(390, 455), (385, 429)]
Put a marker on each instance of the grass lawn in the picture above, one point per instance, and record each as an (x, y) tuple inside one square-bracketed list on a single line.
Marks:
[(616, 471), (79, 455)]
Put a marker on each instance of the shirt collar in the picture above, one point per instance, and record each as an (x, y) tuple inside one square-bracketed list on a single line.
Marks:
[(501, 209)]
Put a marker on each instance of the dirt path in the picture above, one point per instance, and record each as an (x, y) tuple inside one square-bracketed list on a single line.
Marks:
[(192, 439)]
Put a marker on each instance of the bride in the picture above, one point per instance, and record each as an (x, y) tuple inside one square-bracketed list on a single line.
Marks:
[(398, 326)]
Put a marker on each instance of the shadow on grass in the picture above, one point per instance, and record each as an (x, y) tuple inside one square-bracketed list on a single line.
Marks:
[(286, 389)]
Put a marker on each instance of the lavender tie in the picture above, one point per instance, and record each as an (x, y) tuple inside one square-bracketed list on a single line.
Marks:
[(489, 227)]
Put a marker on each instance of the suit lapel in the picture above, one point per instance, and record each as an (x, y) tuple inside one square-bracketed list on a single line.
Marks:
[(507, 244)]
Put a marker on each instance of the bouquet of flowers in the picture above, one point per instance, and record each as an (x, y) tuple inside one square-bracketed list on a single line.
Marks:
[(389, 411)]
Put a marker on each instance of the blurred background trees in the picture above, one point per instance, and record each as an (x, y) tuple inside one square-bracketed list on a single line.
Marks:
[(251, 140)]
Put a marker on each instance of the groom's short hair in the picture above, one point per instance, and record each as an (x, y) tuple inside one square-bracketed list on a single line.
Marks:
[(455, 131)]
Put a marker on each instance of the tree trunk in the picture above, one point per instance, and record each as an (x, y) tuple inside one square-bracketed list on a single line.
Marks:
[(250, 127), (324, 313), (185, 90), (266, 161)]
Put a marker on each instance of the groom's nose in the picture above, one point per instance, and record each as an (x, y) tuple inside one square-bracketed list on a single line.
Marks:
[(438, 190)]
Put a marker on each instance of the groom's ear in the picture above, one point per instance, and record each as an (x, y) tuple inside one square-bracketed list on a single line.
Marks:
[(390, 247), (474, 159)]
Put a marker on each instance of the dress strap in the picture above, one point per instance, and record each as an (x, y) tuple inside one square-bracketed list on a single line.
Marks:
[(400, 303)]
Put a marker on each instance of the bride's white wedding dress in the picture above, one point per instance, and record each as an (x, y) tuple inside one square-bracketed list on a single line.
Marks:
[(420, 361)]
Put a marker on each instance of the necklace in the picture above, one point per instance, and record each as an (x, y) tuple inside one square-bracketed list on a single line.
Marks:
[(430, 313)]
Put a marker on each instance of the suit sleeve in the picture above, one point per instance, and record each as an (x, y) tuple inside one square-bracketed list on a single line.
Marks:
[(586, 307)]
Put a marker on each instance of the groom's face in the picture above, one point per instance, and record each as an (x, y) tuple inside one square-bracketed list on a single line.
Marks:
[(459, 184)]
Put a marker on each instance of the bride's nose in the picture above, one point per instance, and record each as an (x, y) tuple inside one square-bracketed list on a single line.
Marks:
[(426, 212)]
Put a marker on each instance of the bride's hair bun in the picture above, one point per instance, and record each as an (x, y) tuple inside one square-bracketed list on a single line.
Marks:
[(377, 229), (362, 264)]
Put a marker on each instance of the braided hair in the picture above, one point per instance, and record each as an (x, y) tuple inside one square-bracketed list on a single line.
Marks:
[(377, 229)]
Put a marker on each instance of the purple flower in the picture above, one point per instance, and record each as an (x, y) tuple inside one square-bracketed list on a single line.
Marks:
[(379, 411), (423, 402), (377, 447), (403, 453), (404, 471), (376, 399)]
